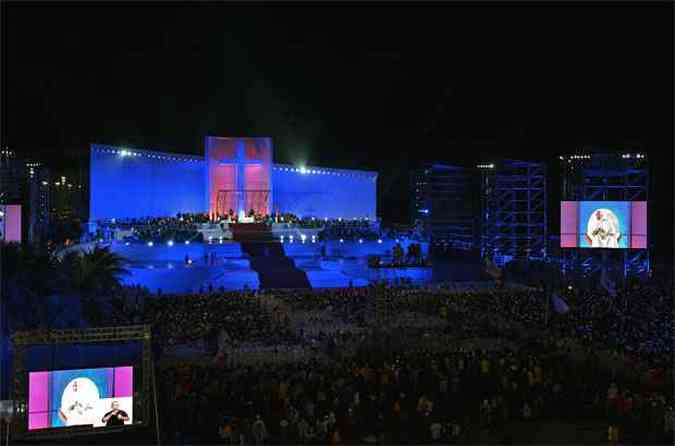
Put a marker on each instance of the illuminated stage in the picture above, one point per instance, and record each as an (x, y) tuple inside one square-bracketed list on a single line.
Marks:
[(234, 174), (345, 264)]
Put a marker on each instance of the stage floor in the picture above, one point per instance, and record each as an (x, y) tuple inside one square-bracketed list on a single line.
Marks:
[(224, 265)]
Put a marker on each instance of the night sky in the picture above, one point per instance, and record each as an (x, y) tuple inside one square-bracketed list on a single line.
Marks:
[(378, 86)]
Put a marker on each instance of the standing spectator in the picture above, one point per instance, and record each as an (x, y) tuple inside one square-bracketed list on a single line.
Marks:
[(259, 430)]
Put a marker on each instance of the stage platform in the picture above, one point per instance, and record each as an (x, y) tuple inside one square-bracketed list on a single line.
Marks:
[(235, 265)]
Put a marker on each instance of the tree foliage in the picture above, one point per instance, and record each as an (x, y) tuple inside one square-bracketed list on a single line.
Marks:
[(31, 275)]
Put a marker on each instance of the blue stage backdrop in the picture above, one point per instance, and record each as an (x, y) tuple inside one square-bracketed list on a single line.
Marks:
[(320, 192), (129, 183), (132, 183)]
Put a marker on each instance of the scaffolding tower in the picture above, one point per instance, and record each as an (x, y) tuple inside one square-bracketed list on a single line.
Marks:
[(605, 177), (513, 220)]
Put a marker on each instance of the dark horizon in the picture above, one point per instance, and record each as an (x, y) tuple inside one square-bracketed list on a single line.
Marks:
[(378, 87)]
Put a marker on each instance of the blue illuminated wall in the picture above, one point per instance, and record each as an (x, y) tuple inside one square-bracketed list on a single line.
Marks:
[(131, 183), (128, 183), (320, 192)]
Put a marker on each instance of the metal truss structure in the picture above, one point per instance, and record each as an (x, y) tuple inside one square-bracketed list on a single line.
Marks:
[(605, 177), (24, 340), (513, 222)]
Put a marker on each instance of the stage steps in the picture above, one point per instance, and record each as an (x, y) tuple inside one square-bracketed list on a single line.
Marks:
[(274, 269)]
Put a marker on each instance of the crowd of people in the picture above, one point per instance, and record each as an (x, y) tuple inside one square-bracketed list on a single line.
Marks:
[(636, 322), (463, 394), (349, 230), (406, 364)]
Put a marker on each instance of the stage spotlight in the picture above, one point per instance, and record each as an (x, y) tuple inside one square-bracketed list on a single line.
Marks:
[(189, 261), (170, 243), (220, 240), (127, 244), (303, 170), (379, 241), (210, 239), (187, 242), (124, 153), (342, 241), (281, 239), (303, 237), (360, 240), (150, 244)]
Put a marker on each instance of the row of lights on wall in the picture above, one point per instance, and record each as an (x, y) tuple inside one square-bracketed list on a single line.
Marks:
[(125, 153), (307, 171), (486, 166), (587, 157), (576, 157)]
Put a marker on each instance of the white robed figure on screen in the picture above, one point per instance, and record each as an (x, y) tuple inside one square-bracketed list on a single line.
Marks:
[(603, 229), (79, 402)]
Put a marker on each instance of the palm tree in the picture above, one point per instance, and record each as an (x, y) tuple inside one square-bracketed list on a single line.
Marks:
[(27, 277), (93, 277), (30, 276)]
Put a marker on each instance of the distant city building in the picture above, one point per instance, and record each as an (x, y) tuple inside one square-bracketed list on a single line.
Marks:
[(12, 177), (37, 202), (444, 201)]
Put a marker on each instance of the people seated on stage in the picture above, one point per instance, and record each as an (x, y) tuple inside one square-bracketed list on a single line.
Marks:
[(180, 228), (185, 226)]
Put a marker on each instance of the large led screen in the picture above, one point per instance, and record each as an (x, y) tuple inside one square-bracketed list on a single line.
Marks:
[(96, 397), (603, 224)]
